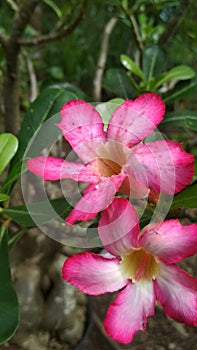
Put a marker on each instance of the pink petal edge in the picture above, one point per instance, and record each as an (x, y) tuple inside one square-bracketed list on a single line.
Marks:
[(82, 127), (135, 119), (129, 312), (93, 274), (169, 240), (176, 291)]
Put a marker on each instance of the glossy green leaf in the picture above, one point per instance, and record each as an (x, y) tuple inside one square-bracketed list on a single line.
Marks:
[(47, 105), (9, 309), (106, 109), (129, 64), (153, 62), (178, 73), (8, 148), (186, 198), (182, 118), (4, 197), (39, 212)]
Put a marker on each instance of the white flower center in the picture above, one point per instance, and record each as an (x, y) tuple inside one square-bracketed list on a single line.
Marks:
[(139, 264), (111, 157)]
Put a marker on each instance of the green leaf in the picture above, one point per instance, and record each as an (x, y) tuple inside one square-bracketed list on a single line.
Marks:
[(186, 198), (8, 148), (128, 63), (4, 197), (9, 309), (182, 118), (106, 109), (39, 213), (47, 105), (117, 82), (178, 73), (152, 62), (181, 90)]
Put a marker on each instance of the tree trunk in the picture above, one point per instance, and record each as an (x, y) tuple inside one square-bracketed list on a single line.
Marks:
[(11, 87)]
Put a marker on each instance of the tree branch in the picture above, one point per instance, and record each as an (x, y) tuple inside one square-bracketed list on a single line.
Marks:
[(136, 31), (11, 81), (3, 39), (22, 18), (56, 35), (97, 83)]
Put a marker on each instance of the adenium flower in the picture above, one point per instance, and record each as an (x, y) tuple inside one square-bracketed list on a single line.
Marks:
[(142, 265), (116, 159)]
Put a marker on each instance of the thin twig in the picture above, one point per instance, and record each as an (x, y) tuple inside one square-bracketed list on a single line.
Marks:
[(13, 5), (137, 32), (97, 83), (52, 36), (32, 78)]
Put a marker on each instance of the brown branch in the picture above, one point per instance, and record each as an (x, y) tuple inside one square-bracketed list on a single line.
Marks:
[(97, 83), (22, 18), (11, 81), (56, 35)]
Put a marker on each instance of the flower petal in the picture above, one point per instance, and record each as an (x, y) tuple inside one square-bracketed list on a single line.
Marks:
[(136, 184), (51, 168), (129, 312), (176, 291), (167, 166), (82, 127), (95, 199), (119, 227), (93, 274), (170, 240), (132, 121)]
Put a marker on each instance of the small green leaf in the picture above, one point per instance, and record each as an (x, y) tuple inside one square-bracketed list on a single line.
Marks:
[(186, 198), (178, 73), (4, 197), (9, 309), (106, 109), (38, 213), (128, 63), (8, 148)]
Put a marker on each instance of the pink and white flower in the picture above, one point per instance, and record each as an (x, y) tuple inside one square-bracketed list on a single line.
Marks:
[(142, 265), (116, 159)]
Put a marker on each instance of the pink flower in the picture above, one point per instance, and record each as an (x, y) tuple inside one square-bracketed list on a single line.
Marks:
[(116, 160), (142, 266)]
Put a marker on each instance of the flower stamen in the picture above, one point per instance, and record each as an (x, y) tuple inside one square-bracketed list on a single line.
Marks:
[(139, 264)]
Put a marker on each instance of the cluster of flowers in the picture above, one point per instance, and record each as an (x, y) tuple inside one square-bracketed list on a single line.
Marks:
[(142, 265)]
